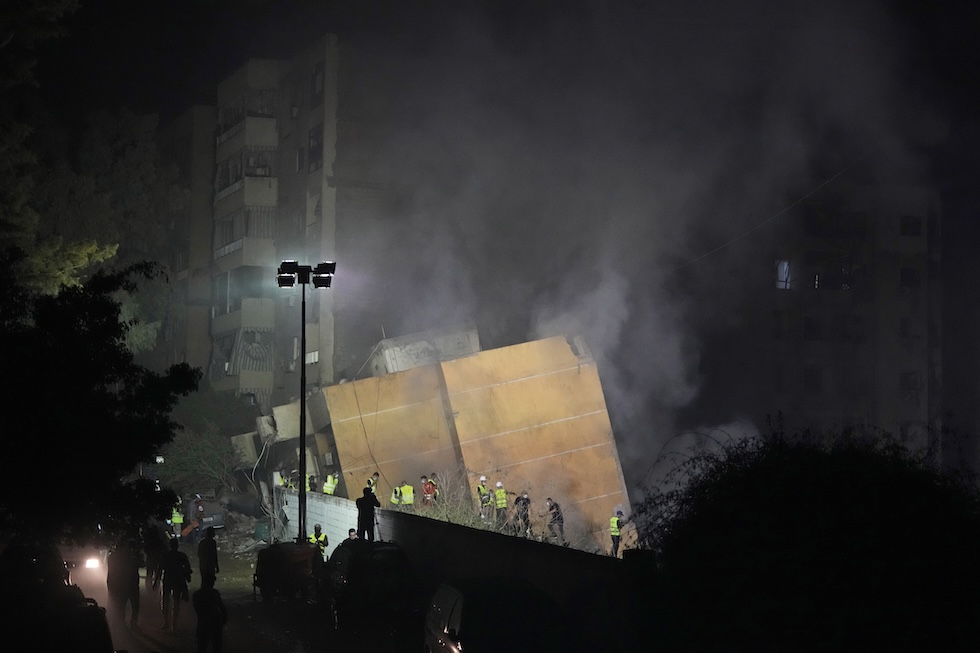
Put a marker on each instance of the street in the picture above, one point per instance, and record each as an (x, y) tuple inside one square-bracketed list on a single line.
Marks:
[(253, 625)]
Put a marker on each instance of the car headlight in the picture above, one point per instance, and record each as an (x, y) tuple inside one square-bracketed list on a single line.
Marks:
[(92, 563)]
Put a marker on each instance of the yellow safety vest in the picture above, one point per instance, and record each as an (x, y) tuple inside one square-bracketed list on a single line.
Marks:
[(330, 484), (614, 525), (396, 497), (484, 493), (408, 495), (177, 517), (501, 494), (370, 484), (321, 541)]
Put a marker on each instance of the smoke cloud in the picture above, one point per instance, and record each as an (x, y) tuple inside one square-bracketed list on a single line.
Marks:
[(565, 167)]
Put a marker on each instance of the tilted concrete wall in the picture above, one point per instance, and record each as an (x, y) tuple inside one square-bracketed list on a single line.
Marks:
[(532, 416)]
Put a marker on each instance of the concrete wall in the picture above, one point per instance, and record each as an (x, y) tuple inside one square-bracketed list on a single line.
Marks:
[(532, 416)]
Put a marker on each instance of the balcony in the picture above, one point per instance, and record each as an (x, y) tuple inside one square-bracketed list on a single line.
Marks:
[(254, 314), (248, 191)]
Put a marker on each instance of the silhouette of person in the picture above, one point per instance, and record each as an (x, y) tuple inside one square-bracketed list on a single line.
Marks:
[(175, 570), (211, 616), (365, 514), (123, 582), (207, 556)]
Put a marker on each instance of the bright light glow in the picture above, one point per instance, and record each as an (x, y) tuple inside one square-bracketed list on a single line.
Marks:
[(92, 563)]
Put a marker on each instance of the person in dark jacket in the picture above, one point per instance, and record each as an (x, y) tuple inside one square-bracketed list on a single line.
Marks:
[(123, 582), (365, 514), (175, 570), (556, 521), (211, 616), (207, 557)]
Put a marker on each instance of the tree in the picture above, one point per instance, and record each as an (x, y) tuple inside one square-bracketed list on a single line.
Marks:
[(790, 544), (80, 414), (200, 460)]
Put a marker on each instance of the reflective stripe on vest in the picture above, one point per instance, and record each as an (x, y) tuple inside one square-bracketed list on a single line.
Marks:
[(614, 525), (329, 485), (501, 495), (408, 495)]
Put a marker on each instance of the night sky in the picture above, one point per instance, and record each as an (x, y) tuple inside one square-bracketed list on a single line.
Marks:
[(569, 157)]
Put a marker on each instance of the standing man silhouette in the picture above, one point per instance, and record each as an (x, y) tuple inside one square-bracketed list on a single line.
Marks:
[(365, 514)]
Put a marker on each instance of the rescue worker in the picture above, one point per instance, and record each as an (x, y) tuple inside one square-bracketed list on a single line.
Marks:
[(310, 483), (175, 570), (428, 491), (396, 495), (500, 503), (616, 523), (320, 539), (486, 498), (330, 483), (408, 494), (177, 518), (522, 515), (556, 521), (435, 487), (372, 483)]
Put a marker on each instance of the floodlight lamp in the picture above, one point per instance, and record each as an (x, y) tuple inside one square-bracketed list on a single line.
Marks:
[(286, 280), (322, 280), (289, 266), (326, 267)]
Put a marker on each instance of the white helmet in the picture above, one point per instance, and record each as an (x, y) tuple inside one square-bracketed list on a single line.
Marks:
[(499, 484), (483, 478)]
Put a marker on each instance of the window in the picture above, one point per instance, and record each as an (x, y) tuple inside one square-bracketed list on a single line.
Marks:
[(311, 358), (316, 84), (783, 277), (911, 225), (909, 278)]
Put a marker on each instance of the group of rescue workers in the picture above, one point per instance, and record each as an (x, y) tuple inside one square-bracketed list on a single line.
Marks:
[(494, 506)]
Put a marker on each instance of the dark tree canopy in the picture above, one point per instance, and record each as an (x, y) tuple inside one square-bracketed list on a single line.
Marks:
[(787, 544), (80, 414)]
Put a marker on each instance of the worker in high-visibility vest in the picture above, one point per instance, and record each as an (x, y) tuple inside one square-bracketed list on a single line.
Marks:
[(408, 494), (486, 498), (320, 539), (372, 483), (500, 503), (330, 483), (615, 528), (396, 495), (177, 519)]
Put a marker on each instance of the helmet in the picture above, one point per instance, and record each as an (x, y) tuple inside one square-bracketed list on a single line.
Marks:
[(499, 484), (483, 478), (619, 512)]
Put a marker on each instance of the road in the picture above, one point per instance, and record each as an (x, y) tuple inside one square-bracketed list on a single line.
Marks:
[(253, 625)]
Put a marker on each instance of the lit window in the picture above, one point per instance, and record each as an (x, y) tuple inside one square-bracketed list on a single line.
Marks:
[(783, 279), (312, 357)]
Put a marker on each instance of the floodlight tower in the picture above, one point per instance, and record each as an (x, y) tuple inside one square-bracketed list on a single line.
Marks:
[(289, 274)]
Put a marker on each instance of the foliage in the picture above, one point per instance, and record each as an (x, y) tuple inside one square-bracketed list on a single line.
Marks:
[(199, 460), (806, 543), (80, 413)]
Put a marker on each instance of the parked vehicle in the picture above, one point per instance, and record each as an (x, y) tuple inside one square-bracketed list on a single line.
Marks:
[(364, 577), (483, 615), (40, 602), (288, 570)]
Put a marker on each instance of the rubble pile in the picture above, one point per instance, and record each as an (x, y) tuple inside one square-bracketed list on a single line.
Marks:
[(243, 535)]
